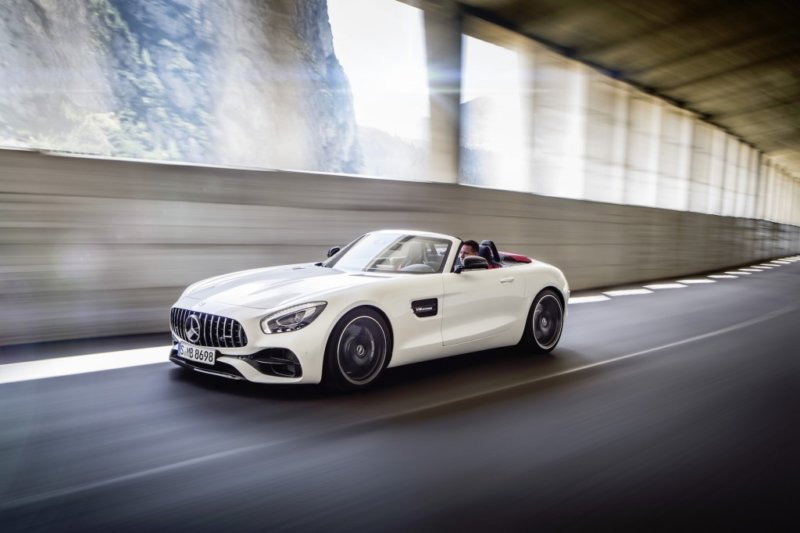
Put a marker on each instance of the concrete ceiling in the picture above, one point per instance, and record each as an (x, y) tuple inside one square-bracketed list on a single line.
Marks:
[(734, 62)]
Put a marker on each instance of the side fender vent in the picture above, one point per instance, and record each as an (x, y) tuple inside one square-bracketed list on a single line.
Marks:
[(427, 307)]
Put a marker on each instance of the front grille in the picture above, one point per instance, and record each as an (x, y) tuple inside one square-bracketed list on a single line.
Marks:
[(215, 331)]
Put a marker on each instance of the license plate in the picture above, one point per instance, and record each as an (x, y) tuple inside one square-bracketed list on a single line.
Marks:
[(196, 353)]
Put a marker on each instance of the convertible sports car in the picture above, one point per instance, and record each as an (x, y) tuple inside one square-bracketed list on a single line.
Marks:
[(388, 298)]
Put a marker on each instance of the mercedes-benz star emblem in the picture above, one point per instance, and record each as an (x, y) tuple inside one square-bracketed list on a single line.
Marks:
[(191, 327)]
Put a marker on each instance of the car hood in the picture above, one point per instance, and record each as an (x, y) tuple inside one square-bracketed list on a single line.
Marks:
[(267, 288)]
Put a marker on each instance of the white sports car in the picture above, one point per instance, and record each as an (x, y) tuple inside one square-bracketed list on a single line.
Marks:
[(388, 298)]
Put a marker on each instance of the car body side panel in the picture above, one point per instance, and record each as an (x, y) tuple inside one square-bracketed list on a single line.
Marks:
[(542, 275), (480, 304)]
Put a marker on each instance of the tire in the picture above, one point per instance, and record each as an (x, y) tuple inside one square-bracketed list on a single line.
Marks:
[(545, 323), (357, 351)]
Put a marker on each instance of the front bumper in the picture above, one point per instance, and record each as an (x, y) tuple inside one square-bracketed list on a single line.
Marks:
[(272, 365), (293, 357)]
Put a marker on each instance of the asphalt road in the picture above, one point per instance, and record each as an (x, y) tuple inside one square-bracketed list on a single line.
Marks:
[(676, 410)]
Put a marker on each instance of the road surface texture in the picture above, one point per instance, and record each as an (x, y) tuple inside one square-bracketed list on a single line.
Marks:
[(675, 410)]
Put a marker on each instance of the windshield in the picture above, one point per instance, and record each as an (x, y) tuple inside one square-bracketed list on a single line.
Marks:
[(392, 252)]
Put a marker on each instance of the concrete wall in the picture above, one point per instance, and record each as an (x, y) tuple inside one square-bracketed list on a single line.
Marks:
[(94, 247)]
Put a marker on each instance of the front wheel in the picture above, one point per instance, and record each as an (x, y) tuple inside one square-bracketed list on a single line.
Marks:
[(357, 350), (545, 322)]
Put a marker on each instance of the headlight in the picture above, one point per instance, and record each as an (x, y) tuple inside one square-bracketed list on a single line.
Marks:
[(292, 318)]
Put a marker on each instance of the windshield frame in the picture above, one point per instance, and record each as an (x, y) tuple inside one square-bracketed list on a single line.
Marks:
[(399, 239)]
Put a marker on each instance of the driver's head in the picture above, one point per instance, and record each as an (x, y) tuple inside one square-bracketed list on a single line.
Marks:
[(468, 248)]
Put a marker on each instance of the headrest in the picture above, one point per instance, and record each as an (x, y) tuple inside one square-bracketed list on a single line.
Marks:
[(485, 252), (415, 252), (495, 255)]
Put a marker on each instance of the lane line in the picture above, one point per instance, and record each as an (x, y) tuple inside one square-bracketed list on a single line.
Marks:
[(740, 325), (628, 292), (69, 491), (82, 364), (661, 286), (587, 299)]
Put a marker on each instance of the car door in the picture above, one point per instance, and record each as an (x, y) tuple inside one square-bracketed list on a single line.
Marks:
[(413, 304), (480, 304)]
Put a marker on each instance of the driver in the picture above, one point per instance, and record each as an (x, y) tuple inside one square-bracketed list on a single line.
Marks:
[(469, 247)]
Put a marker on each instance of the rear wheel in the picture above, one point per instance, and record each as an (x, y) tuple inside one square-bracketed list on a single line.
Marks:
[(357, 351), (545, 322)]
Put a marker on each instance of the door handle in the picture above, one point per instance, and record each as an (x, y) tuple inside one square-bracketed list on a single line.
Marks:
[(507, 280)]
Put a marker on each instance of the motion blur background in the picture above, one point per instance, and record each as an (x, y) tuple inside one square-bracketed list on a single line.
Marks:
[(150, 144)]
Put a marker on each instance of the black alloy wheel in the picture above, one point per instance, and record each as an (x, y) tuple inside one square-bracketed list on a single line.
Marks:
[(545, 322), (357, 351)]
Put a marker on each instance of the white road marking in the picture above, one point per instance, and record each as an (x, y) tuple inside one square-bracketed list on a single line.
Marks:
[(587, 299), (68, 491), (82, 364), (767, 267), (628, 292), (660, 286)]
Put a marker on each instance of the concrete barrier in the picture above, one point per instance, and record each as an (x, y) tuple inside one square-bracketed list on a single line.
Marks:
[(92, 247)]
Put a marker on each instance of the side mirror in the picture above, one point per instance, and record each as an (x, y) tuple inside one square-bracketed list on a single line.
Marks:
[(333, 250), (472, 262)]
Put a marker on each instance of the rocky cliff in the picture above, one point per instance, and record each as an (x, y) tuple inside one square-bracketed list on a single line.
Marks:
[(241, 82)]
